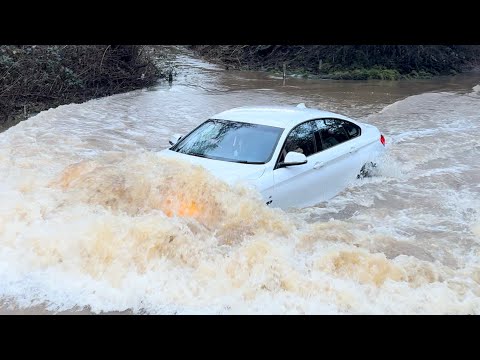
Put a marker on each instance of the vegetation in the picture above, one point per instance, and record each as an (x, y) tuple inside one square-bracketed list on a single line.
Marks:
[(356, 62), (35, 78)]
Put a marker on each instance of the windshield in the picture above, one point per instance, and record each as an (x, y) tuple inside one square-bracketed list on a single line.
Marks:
[(231, 141)]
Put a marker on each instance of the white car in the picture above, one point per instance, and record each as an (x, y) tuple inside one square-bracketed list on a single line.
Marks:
[(295, 156)]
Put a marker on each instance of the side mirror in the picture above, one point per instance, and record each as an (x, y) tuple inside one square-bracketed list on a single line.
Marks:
[(174, 139), (294, 158)]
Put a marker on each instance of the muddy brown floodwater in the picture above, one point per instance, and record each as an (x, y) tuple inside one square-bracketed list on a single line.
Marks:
[(84, 198)]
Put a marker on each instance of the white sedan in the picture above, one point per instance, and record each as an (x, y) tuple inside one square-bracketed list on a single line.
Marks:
[(295, 156)]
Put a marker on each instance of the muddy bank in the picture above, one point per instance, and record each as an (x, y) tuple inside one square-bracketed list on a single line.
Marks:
[(37, 77)]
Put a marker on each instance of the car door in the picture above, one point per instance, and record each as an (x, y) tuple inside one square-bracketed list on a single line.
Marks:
[(293, 184), (357, 147), (329, 169), (338, 163)]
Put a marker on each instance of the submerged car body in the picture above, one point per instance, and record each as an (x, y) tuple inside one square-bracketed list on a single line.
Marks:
[(295, 156)]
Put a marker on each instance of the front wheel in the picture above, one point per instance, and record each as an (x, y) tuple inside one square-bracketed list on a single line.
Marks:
[(368, 170)]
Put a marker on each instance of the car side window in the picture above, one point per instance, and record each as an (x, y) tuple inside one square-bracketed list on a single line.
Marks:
[(330, 132), (300, 140), (352, 129)]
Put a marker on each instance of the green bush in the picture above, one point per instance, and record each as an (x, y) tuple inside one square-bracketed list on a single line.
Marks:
[(348, 61)]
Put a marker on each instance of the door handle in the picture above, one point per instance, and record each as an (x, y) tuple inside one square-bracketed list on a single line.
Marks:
[(352, 149), (318, 165)]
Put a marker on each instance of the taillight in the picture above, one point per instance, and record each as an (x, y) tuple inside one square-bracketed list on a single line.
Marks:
[(382, 140)]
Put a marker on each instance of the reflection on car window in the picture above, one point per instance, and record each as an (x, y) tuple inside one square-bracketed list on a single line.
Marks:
[(300, 140), (352, 129), (231, 141), (330, 132)]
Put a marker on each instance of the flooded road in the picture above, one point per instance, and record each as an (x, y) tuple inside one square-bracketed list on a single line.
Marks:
[(85, 197)]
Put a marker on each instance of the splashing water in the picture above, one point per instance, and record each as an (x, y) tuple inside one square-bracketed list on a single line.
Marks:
[(91, 216)]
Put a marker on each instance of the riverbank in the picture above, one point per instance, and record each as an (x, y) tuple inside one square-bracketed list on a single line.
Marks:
[(346, 62), (38, 77)]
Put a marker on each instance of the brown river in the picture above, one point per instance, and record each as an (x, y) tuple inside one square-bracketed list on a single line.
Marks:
[(85, 199)]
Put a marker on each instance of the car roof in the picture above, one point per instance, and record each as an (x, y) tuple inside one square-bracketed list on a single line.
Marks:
[(279, 116)]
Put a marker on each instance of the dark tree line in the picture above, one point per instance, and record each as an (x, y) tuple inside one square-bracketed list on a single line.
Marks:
[(327, 59), (34, 78)]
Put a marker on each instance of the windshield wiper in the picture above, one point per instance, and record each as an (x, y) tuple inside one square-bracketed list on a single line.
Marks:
[(199, 155), (247, 162), (222, 159)]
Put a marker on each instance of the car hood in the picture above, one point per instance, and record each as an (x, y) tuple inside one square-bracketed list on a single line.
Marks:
[(227, 171)]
